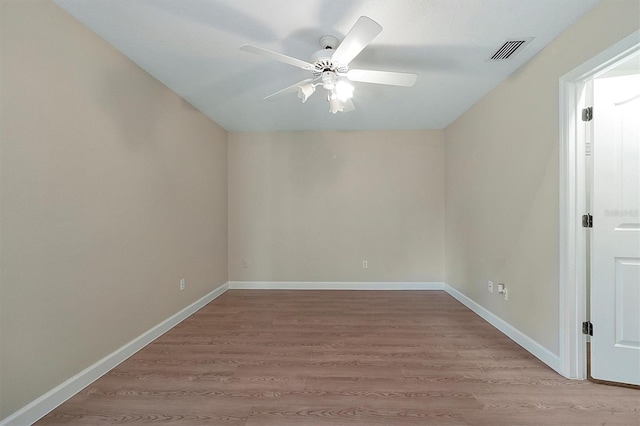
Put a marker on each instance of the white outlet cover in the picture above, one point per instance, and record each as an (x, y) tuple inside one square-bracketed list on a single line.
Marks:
[(490, 286)]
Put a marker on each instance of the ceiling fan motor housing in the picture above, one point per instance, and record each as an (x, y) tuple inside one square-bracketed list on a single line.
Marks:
[(322, 62)]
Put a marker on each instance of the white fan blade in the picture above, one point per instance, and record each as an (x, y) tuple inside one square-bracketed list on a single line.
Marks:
[(291, 89), (276, 56), (360, 35), (383, 77)]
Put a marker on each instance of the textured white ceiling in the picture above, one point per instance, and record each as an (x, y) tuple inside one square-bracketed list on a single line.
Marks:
[(192, 47)]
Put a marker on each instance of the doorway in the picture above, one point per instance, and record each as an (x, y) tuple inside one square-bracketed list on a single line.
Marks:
[(576, 91)]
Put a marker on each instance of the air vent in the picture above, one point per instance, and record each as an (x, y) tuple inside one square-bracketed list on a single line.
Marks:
[(509, 49)]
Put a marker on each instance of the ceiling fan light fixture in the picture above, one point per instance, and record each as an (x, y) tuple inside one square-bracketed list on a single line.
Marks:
[(329, 80), (343, 90), (335, 105), (305, 90)]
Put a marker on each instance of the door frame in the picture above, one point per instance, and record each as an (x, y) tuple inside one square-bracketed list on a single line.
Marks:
[(572, 204)]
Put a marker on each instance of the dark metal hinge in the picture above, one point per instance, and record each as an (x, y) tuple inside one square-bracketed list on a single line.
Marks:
[(587, 221), (587, 328), (587, 114)]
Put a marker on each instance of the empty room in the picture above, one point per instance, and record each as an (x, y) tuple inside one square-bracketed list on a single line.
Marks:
[(320, 212)]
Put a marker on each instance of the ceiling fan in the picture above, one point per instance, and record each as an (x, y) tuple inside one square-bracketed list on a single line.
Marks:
[(330, 67)]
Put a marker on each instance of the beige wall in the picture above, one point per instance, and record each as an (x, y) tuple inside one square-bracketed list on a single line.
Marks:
[(311, 206), (112, 188), (501, 180)]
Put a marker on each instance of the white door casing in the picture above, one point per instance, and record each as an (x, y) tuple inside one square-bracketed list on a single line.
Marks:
[(615, 247), (572, 203)]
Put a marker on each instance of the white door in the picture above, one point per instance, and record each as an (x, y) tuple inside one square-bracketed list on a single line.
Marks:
[(615, 243)]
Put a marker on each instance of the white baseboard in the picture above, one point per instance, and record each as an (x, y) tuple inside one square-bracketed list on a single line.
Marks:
[(37, 409), (537, 350), (333, 285)]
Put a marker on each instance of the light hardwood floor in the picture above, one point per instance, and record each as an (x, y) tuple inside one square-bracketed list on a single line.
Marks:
[(254, 358)]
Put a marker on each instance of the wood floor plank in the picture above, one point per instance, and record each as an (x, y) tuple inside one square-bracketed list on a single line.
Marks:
[(405, 384), (325, 416), (257, 358), (537, 417)]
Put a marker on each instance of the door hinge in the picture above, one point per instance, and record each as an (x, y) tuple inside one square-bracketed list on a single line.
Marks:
[(587, 221), (587, 114), (587, 328)]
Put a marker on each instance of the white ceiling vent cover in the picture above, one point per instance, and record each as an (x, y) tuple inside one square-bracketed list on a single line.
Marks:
[(510, 48)]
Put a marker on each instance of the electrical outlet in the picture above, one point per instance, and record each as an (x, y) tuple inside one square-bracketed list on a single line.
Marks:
[(183, 284), (502, 289), (245, 264), (490, 287), (365, 264)]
